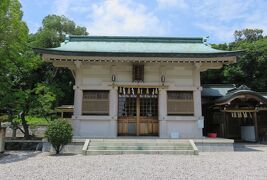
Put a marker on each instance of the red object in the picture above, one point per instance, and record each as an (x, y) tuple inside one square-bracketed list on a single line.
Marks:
[(212, 135)]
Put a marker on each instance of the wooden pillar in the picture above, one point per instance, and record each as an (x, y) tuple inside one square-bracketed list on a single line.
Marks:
[(226, 120), (224, 125), (256, 125)]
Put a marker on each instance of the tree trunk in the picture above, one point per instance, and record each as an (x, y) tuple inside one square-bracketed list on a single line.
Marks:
[(25, 127), (57, 148)]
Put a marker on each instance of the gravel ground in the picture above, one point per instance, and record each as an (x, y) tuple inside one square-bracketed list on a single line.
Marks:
[(248, 164)]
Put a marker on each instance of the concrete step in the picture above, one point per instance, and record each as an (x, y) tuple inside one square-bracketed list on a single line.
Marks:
[(137, 144), (119, 152), (154, 141), (139, 148)]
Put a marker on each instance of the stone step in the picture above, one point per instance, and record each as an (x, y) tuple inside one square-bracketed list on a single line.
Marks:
[(138, 141), (139, 148), (118, 152), (137, 144)]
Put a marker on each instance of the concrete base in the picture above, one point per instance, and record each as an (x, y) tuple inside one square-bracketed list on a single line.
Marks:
[(214, 144), (21, 144), (74, 147), (2, 139), (203, 145)]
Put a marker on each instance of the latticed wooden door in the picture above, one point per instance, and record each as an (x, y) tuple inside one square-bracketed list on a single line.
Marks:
[(138, 112)]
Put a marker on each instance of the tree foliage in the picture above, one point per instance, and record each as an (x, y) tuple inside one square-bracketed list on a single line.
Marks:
[(17, 61), (51, 34), (250, 68), (28, 85), (53, 31), (248, 34)]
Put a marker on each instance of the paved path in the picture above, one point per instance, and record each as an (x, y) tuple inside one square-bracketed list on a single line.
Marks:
[(249, 164)]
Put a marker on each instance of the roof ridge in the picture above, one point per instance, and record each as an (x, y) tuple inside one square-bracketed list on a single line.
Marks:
[(219, 85), (79, 38)]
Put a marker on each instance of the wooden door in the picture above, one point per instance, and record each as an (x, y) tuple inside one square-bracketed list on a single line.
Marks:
[(138, 114), (127, 116), (148, 122)]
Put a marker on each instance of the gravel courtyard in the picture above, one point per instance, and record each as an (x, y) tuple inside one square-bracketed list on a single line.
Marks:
[(248, 162)]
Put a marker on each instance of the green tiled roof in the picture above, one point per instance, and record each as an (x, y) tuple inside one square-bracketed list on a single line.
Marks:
[(224, 92), (216, 90), (126, 44)]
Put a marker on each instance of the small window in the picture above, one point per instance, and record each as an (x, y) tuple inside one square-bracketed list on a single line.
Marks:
[(180, 103), (138, 73), (95, 102)]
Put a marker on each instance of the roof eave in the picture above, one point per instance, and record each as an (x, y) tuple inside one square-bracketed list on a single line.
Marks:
[(228, 98), (135, 54)]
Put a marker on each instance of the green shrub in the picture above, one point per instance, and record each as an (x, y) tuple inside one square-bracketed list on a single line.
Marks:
[(59, 133)]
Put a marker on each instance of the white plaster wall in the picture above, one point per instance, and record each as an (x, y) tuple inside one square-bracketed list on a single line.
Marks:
[(179, 75), (97, 76), (152, 73), (123, 72), (186, 129), (96, 128)]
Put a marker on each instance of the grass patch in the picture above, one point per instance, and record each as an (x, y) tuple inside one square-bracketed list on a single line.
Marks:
[(31, 120), (34, 121)]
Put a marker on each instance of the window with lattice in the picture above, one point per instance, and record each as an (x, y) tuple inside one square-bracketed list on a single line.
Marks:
[(180, 103), (138, 73), (95, 102)]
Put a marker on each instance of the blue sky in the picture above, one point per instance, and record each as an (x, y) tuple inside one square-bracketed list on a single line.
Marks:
[(217, 19)]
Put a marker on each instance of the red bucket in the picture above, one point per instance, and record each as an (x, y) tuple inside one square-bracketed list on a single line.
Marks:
[(212, 135)]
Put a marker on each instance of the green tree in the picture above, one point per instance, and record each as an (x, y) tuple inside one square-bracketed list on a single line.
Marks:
[(248, 34), (28, 85), (51, 34), (53, 31), (20, 78), (14, 52), (250, 68)]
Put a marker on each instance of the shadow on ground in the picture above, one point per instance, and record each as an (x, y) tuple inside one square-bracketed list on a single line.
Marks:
[(15, 156), (249, 147), (63, 154)]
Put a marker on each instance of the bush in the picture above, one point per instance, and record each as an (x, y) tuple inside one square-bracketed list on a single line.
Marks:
[(58, 133)]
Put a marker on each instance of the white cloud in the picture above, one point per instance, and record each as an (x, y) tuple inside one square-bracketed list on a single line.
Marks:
[(222, 18), (113, 17), (218, 19), (123, 17)]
